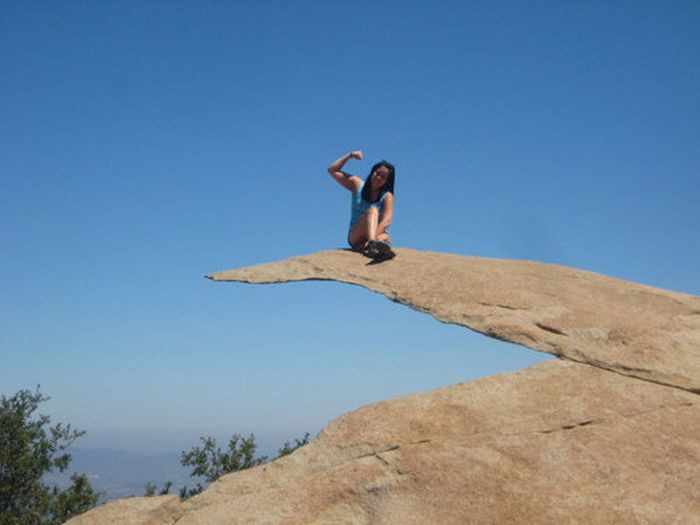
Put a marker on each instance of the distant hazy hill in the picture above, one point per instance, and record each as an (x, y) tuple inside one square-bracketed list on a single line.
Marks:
[(121, 474)]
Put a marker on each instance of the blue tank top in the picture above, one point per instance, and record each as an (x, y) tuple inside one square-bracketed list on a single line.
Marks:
[(359, 206)]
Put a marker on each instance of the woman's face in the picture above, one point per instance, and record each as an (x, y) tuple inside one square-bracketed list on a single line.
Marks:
[(379, 177)]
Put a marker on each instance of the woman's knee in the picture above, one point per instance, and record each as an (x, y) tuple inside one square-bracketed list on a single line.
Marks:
[(357, 240)]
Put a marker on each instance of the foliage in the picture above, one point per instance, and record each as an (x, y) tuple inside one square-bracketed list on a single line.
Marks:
[(76, 499), (151, 489), (210, 462), (30, 448), (288, 448)]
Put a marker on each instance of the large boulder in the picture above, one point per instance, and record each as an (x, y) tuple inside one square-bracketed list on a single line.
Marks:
[(608, 433)]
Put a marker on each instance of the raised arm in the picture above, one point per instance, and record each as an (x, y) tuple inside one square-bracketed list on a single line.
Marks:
[(346, 180)]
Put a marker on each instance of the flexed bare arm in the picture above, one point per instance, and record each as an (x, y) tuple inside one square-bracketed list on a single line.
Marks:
[(351, 182)]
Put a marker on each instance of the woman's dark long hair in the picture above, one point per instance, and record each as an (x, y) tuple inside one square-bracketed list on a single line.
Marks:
[(388, 185)]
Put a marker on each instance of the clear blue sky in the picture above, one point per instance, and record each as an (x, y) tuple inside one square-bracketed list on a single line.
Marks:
[(144, 144)]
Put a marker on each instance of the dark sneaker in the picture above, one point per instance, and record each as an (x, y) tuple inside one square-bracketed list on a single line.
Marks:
[(370, 250), (379, 250)]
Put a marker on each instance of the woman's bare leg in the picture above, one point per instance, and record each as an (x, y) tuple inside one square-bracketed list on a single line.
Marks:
[(384, 236), (365, 229)]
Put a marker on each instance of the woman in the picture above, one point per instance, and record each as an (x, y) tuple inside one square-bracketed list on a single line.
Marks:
[(372, 206)]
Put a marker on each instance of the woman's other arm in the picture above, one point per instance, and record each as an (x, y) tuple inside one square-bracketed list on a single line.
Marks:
[(345, 179), (387, 213)]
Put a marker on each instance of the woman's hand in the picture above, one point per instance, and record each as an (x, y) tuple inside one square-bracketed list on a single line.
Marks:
[(356, 155)]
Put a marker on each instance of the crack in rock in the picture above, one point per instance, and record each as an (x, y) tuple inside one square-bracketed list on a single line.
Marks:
[(549, 329), (504, 306), (570, 426), (395, 468), (586, 422), (375, 452)]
